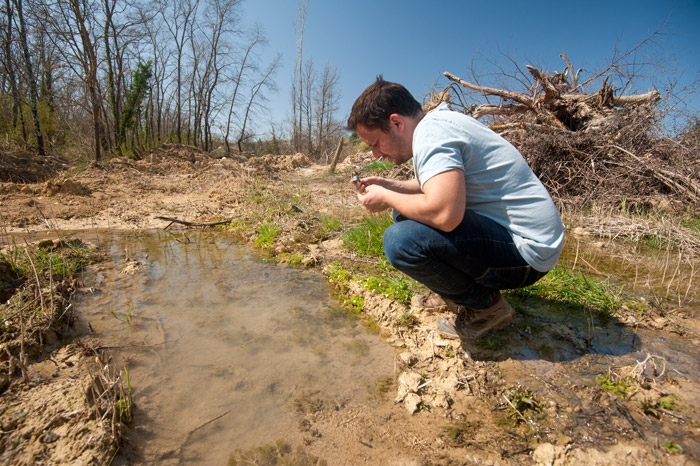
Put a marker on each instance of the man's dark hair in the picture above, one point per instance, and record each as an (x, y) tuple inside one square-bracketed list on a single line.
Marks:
[(376, 103)]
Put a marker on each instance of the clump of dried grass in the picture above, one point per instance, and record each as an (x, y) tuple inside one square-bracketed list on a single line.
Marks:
[(38, 283), (109, 397)]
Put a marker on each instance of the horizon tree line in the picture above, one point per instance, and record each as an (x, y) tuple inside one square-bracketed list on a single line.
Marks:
[(119, 77)]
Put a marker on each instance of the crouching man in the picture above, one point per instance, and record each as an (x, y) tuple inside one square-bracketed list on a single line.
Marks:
[(475, 219)]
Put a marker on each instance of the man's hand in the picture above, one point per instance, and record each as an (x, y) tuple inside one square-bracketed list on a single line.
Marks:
[(361, 184), (372, 198), (441, 203)]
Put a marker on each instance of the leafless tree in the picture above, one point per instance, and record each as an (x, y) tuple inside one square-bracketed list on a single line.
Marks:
[(71, 25), (243, 67), (297, 81), (327, 101), (31, 78), (90, 61), (306, 108), (178, 16), (160, 58), (9, 67), (221, 23), (264, 82), (122, 28)]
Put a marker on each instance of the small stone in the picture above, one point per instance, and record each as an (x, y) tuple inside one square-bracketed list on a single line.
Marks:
[(411, 402), (441, 400), (410, 380), (9, 425), (49, 437)]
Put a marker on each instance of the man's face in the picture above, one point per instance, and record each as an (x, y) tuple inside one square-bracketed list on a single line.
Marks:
[(391, 145)]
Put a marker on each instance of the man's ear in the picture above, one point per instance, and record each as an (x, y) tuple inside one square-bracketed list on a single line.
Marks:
[(396, 120)]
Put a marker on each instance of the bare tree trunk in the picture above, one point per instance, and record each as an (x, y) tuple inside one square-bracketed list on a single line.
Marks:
[(10, 68), (238, 79), (338, 150), (302, 11), (326, 104), (30, 77), (89, 62), (310, 81), (264, 82), (111, 87)]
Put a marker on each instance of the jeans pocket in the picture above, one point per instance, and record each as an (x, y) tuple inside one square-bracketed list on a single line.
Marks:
[(506, 278)]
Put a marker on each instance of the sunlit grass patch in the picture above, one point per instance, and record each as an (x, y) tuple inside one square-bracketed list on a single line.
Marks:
[(46, 259), (267, 233), (329, 224), (692, 222), (407, 320), (36, 284), (366, 239), (672, 447), (379, 166), (656, 408), (617, 385), (523, 406), (579, 290), (396, 288)]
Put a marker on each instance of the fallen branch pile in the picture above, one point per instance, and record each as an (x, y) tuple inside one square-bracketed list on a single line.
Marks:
[(590, 148)]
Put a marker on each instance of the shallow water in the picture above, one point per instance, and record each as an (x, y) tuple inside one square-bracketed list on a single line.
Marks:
[(659, 274), (210, 332)]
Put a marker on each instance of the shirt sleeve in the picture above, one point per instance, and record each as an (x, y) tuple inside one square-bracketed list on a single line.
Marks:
[(437, 148)]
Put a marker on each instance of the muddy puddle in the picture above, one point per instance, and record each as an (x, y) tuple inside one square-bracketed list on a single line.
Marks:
[(595, 341), (221, 347)]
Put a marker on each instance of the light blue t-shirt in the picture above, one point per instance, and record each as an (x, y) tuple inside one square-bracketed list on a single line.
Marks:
[(500, 184)]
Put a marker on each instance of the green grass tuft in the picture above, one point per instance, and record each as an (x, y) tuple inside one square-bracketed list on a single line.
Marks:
[(523, 404), (620, 386), (267, 233), (366, 238), (578, 290), (395, 288), (379, 166)]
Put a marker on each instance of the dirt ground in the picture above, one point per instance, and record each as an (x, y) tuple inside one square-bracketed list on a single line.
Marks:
[(535, 401)]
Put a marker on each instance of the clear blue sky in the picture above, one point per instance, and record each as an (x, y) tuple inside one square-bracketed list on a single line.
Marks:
[(413, 42)]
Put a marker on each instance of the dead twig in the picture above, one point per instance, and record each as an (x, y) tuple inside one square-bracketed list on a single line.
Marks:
[(517, 411), (201, 426), (193, 224), (36, 277)]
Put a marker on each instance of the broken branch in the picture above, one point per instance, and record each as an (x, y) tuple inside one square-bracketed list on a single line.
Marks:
[(193, 224)]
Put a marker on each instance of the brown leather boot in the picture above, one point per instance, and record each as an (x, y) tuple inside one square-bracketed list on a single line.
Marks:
[(469, 323)]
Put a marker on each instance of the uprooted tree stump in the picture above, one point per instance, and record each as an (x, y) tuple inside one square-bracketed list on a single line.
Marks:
[(557, 100), (590, 148)]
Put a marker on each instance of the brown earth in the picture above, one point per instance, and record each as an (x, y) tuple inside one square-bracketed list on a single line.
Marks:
[(450, 403)]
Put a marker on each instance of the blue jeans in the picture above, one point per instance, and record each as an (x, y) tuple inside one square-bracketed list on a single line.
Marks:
[(468, 265)]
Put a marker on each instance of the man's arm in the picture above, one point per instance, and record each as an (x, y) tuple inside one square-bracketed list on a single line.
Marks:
[(407, 187), (440, 204)]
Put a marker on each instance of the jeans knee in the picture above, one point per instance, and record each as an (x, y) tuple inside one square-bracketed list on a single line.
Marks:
[(396, 245), (391, 251)]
